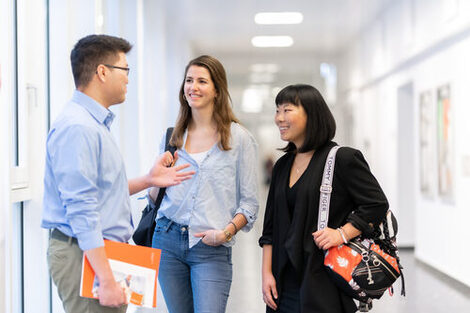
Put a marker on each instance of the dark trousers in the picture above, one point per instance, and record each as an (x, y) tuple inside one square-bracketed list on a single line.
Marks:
[(289, 293)]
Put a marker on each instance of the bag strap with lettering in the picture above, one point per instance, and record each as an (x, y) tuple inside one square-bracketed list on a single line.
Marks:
[(326, 188)]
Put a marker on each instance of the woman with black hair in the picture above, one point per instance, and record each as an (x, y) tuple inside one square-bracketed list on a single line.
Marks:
[(293, 275)]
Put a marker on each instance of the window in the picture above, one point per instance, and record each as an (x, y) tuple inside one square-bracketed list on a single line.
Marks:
[(24, 97)]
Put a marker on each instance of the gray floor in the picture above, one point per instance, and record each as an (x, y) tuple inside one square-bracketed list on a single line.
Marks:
[(428, 291)]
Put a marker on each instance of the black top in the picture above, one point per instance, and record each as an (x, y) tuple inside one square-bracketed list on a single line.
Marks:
[(291, 193), (356, 198)]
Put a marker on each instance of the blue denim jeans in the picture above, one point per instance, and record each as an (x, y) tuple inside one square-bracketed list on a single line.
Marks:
[(192, 280)]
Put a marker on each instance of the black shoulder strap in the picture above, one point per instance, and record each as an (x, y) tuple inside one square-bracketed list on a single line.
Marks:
[(169, 132), (172, 149)]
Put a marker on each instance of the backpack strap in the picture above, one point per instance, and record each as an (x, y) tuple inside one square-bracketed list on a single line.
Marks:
[(326, 188), (172, 149), (169, 132)]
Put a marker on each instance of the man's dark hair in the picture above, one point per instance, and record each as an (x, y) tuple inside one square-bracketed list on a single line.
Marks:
[(321, 126), (93, 50)]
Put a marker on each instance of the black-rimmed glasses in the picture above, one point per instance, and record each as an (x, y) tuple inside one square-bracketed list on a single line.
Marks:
[(119, 68)]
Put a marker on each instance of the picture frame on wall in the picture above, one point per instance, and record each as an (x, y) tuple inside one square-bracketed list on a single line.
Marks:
[(445, 144), (427, 144)]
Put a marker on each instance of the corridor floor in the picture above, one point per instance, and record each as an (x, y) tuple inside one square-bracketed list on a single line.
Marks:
[(428, 291)]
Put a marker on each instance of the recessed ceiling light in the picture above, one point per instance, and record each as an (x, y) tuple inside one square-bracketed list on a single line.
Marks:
[(264, 67), (272, 41), (270, 18), (257, 78), (254, 97), (252, 101)]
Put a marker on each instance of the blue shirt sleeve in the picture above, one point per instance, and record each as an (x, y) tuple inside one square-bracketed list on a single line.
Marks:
[(74, 154), (248, 184)]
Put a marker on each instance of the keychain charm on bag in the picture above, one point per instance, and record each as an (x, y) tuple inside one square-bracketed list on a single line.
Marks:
[(363, 268)]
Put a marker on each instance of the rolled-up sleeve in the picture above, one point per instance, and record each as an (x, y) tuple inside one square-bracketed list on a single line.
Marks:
[(267, 235), (74, 156), (248, 180)]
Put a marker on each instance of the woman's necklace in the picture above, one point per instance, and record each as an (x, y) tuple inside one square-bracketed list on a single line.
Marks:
[(300, 168)]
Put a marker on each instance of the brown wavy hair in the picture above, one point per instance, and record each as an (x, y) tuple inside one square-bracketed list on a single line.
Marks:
[(223, 114)]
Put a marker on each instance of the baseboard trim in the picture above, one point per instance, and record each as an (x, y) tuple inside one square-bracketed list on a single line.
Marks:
[(445, 279), (406, 248)]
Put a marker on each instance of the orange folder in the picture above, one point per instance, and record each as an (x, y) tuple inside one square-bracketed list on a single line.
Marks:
[(134, 267)]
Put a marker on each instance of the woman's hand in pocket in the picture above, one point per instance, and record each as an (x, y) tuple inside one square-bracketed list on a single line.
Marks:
[(212, 237)]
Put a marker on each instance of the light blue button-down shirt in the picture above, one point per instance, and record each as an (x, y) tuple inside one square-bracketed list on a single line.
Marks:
[(86, 193), (224, 185)]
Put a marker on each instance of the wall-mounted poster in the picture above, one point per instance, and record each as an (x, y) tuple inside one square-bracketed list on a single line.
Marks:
[(445, 139), (427, 131)]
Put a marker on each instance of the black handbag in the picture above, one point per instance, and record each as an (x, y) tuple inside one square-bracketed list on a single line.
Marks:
[(143, 234), (363, 268)]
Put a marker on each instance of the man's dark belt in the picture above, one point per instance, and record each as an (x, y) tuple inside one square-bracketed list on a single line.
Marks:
[(57, 234)]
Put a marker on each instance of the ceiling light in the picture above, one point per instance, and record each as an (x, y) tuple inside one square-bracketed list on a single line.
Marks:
[(272, 41), (258, 78), (252, 101), (270, 18), (254, 97), (264, 67)]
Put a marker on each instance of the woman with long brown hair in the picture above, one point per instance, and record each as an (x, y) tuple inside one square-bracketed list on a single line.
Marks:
[(198, 219)]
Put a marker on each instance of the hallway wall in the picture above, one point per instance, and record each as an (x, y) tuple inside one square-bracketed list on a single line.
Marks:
[(426, 44), (157, 63), (5, 97)]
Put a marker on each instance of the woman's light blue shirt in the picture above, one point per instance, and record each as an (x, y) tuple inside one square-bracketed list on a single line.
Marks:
[(224, 185)]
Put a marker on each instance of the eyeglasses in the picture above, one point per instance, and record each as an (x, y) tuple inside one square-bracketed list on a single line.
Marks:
[(119, 68)]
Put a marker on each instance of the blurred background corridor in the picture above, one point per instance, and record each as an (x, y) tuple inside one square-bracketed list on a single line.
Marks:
[(395, 74)]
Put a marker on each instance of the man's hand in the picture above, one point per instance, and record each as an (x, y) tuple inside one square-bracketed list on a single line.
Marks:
[(111, 294), (164, 174)]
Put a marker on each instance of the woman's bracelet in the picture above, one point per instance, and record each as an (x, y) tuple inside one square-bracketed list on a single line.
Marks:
[(345, 233), (235, 226), (341, 232)]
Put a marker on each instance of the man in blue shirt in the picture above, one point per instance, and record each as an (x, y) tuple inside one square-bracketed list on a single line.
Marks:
[(86, 194)]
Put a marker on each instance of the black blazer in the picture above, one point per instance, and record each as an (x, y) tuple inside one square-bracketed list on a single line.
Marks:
[(356, 198)]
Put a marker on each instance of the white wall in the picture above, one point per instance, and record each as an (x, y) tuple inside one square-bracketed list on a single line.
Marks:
[(31, 97), (34, 68), (425, 43), (6, 61)]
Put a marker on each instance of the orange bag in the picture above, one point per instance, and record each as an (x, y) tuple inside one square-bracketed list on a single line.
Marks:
[(361, 269)]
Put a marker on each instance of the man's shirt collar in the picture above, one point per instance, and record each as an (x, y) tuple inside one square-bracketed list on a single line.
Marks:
[(99, 112)]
